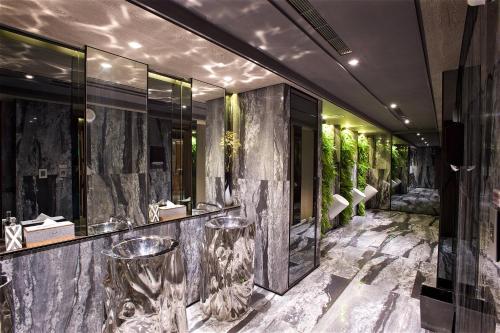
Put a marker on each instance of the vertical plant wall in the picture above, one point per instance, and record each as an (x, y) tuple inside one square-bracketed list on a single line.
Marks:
[(347, 155), (363, 166), (328, 174)]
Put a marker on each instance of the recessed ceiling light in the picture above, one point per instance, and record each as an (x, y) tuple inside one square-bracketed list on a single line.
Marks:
[(353, 62), (106, 65), (407, 121), (135, 45), (418, 134), (393, 105), (228, 78), (29, 76), (183, 106), (422, 139)]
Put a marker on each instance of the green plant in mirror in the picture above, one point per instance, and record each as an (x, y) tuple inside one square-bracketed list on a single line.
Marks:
[(231, 144), (347, 153), (399, 158), (328, 173), (363, 166)]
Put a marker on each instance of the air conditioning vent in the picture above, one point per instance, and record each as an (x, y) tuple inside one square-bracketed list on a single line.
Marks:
[(311, 15)]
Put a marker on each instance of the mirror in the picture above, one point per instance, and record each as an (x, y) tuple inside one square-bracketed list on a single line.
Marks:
[(42, 130), (208, 147), (116, 139), (414, 178), (303, 164), (92, 142)]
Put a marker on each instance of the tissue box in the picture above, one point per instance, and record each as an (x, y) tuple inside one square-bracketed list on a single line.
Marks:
[(49, 233), (172, 212)]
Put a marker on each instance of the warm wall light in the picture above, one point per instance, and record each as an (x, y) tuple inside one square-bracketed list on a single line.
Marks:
[(407, 121), (135, 45), (353, 62), (29, 76), (106, 65), (393, 105)]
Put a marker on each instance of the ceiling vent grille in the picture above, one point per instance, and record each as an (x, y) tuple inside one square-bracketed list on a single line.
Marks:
[(311, 15)]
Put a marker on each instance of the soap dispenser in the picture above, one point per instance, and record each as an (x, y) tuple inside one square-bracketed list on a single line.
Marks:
[(13, 233)]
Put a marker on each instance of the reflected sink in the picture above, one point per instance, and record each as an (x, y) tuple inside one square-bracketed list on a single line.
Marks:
[(228, 222), (143, 247), (114, 224), (206, 207)]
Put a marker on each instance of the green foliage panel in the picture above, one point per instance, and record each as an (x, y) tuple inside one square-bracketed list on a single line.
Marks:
[(347, 155), (328, 173), (363, 166)]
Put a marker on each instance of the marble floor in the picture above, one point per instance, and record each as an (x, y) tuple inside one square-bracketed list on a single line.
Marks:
[(368, 281), (417, 200)]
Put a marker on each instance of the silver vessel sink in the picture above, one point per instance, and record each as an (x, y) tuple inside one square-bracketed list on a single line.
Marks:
[(205, 207), (145, 286), (228, 222), (143, 247), (113, 224)]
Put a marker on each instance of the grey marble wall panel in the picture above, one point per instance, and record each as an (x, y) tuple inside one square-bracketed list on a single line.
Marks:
[(263, 186), (117, 195), (423, 164), (60, 289), (160, 176), (116, 165), (214, 150), (379, 174), (43, 141)]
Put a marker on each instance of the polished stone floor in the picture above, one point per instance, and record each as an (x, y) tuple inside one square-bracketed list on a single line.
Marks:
[(417, 200), (368, 281)]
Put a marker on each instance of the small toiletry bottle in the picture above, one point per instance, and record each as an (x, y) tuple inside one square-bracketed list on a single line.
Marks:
[(13, 233)]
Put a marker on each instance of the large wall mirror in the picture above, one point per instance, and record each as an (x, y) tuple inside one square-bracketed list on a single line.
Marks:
[(92, 142)]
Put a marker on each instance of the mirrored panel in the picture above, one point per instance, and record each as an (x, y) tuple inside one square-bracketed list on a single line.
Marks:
[(116, 140), (42, 126), (208, 147), (303, 168), (170, 147), (414, 178)]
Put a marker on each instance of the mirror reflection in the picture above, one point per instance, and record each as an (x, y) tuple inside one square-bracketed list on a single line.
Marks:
[(208, 146), (414, 174), (92, 142), (42, 131)]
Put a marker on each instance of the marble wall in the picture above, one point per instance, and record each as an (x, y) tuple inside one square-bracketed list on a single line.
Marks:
[(262, 179), (60, 288), (160, 170), (379, 174), (214, 151), (424, 164), (116, 165), (41, 138)]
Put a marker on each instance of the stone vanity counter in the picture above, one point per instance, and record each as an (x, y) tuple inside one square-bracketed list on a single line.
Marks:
[(58, 288)]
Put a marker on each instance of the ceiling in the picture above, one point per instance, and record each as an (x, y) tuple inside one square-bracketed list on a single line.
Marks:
[(111, 24), (334, 115), (384, 35)]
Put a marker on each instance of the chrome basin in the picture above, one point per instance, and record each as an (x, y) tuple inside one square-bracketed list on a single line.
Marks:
[(143, 247), (205, 207), (113, 224), (228, 222)]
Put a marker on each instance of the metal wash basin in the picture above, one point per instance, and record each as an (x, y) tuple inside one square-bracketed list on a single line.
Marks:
[(206, 207), (113, 224), (227, 271), (145, 286)]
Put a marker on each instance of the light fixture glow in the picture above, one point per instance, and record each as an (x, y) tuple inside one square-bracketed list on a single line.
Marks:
[(393, 105), (353, 62), (29, 76), (418, 134), (422, 139), (106, 65), (228, 78), (135, 45), (183, 106), (407, 121)]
